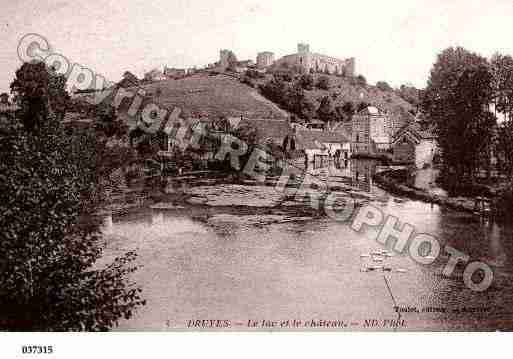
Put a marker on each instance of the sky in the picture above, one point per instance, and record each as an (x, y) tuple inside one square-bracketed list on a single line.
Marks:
[(395, 41)]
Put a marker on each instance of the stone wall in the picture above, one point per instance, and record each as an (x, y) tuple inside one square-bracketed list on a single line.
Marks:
[(265, 59), (425, 152), (318, 62), (370, 133), (404, 152)]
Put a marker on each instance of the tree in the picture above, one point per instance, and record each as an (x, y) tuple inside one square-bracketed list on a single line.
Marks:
[(502, 70), (326, 111), (323, 83), (361, 80), (307, 81), (39, 91), (299, 103), (349, 110), (409, 94), (362, 106), (383, 86), (51, 184), (289, 96), (50, 243), (504, 147), (275, 90), (108, 122), (254, 74), (457, 98)]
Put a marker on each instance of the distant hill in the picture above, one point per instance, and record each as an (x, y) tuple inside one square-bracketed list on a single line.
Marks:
[(224, 95), (213, 95)]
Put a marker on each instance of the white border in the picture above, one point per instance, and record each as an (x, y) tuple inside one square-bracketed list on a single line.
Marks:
[(258, 345)]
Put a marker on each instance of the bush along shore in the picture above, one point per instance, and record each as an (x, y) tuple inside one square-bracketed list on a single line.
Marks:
[(395, 181)]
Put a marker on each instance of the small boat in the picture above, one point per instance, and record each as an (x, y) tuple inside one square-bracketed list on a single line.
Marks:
[(373, 268)]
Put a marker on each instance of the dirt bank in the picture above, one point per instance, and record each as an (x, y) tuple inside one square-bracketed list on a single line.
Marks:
[(394, 182)]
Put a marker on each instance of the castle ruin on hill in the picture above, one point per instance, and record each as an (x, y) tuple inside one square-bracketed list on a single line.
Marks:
[(317, 62), (303, 59)]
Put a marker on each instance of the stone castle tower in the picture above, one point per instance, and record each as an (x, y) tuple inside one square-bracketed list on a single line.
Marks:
[(265, 59), (223, 58), (303, 48)]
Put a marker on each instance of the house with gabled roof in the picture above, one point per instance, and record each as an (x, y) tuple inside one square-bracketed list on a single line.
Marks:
[(314, 143), (415, 144)]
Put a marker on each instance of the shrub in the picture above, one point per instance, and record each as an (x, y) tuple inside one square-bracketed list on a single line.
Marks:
[(323, 83), (254, 74), (383, 86), (307, 82), (360, 80), (247, 81)]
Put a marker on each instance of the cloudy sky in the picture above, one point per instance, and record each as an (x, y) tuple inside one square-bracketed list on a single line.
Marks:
[(396, 41)]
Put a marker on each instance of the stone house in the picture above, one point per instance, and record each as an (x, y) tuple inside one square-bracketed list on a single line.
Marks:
[(264, 59), (371, 131), (173, 73), (313, 144), (414, 144)]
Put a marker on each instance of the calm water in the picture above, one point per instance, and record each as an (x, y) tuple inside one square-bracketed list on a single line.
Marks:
[(202, 262)]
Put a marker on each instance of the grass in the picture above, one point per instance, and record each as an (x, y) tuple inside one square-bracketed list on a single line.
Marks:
[(215, 96)]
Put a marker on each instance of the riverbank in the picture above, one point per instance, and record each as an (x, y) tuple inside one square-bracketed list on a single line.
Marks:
[(208, 189), (395, 181)]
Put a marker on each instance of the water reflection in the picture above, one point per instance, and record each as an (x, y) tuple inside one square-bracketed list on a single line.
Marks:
[(205, 262), (356, 173)]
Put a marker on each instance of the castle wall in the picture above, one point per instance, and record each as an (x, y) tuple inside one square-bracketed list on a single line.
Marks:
[(319, 63), (265, 59), (223, 58)]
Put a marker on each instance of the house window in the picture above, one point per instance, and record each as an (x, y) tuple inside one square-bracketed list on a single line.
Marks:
[(292, 144)]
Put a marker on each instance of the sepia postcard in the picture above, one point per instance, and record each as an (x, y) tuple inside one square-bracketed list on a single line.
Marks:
[(255, 166)]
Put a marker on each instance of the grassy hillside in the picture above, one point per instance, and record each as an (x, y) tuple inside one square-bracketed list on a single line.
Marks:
[(217, 95)]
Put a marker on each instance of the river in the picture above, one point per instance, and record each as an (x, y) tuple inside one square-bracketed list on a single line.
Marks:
[(239, 258)]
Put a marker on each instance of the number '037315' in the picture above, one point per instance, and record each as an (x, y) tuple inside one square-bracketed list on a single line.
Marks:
[(37, 349)]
